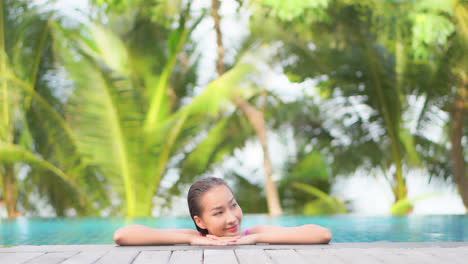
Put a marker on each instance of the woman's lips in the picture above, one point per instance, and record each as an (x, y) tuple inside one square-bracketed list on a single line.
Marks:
[(232, 229)]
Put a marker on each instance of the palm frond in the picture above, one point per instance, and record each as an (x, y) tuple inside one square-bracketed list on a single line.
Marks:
[(103, 116), (336, 205), (228, 134), (10, 153)]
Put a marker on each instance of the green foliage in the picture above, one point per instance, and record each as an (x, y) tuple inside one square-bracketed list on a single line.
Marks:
[(108, 47), (131, 113), (311, 166), (227, 134), (379, 53), (164, 12), (405, 206), (10, 153), (325, 204), (429, 30), (117, 5), (289, 10), (251, 197), (363, 53), (29, 142), (320, 207), (105, 127), (128, 138)]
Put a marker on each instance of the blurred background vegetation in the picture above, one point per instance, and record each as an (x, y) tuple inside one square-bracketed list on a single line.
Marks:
[(113, 111)]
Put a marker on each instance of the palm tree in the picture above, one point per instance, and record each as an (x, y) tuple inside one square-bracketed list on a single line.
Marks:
[(459, 66), (255, 116), (125, 110), (26, 103), (348, 51), (447, 94), (437, 54), (414, 51)]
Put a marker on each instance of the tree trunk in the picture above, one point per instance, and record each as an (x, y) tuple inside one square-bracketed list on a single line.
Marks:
[(458, 158), (460, 103), (399, 189), (255, 117), (219, 37), (10, 191)]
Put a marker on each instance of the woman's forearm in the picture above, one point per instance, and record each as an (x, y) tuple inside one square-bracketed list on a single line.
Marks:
[(306, 234), (143, 235)]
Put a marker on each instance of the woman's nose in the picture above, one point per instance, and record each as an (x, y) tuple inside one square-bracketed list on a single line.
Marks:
[(231, 217)]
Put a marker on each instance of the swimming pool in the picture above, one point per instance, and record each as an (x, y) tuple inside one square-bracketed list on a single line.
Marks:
[(345, 228)]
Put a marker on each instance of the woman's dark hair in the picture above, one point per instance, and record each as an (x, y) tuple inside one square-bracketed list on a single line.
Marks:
[(195, 193)]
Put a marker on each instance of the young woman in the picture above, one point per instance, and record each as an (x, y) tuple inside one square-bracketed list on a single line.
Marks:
[(218, 219)]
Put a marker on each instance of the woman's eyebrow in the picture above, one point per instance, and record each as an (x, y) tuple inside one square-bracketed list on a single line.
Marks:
[(217, 208), (221, 206)]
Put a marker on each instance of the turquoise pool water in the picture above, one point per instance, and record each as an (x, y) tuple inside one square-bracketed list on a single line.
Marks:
[(346, 228)]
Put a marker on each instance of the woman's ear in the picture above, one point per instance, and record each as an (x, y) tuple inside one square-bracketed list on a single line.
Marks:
[(199, 222)]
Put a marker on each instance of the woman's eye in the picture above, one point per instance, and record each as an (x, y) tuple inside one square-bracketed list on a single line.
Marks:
[(218, 213), (234, 205)]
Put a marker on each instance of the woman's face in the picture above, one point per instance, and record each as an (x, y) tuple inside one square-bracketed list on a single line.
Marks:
[(221, 214)]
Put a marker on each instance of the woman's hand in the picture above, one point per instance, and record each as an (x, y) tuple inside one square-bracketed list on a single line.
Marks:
[(245, 240), (211, 240), (223, 238)]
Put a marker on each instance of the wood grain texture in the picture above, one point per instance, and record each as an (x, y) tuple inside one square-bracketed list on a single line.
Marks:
[(52, 258), (362, 253), (186, 257), (355, 255), (219, 256), (85, 257), (118, 257), (147, 257), (289, 256), (320, 256), (252, 256), (448, 255), (17, 258)]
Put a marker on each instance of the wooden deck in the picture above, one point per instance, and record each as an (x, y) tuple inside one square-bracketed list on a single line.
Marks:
[(362, 253)]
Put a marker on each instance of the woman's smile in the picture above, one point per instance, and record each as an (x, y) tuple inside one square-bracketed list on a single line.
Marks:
[(233, 229)]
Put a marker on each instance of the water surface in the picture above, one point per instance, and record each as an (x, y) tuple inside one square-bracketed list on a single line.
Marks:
[(345, 228)]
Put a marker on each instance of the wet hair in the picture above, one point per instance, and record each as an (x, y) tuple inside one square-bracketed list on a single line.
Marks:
[(196, 191)]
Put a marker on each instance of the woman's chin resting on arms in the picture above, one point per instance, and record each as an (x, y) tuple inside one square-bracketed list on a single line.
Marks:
[(218, 223)]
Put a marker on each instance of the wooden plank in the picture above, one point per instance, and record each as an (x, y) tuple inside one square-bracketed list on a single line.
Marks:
[(401, 255), (252, 256), (186, 257), (16, 258), (85, 257), (320, 256), (118, 257), (52, 258), (355, 255), (461, 253), (214, 256), (379, 253), (80, 248), (56, 248), (448, 255), (285, 256), (424, 257), (147, 257), (390, 255)]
